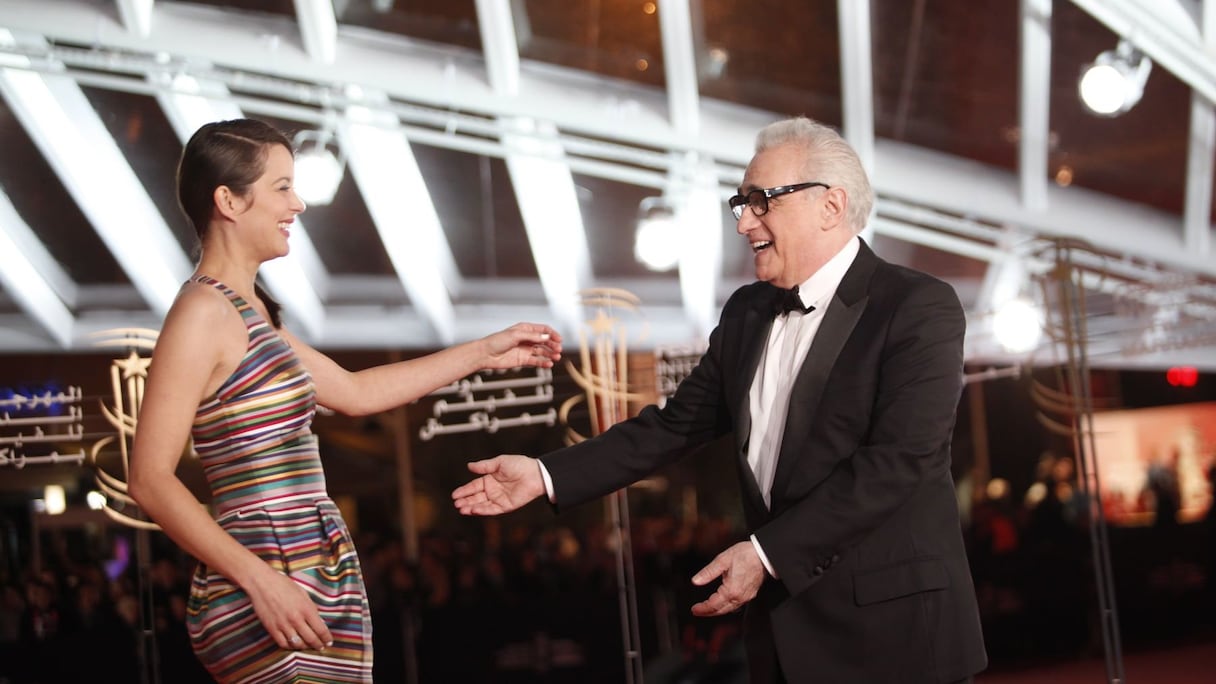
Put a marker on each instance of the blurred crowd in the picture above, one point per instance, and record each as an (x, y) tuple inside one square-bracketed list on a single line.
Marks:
[(1034, 562), (509, 601)]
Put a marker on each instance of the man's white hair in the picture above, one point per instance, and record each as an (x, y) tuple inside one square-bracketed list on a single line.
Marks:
[(829, 159)]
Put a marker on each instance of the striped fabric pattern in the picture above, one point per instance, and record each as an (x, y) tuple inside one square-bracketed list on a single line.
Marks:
[(260, 457)]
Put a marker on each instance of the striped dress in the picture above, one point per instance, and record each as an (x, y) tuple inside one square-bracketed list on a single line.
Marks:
[(260, 457)]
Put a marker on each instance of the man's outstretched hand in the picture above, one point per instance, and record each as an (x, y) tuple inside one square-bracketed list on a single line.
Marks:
[(506, 483), (742, 573)]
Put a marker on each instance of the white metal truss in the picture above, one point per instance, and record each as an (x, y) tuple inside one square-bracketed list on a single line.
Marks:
[(61, 122), (540, 176), (1034, 103), (1201, 150), (31, 274), (692, 189), (574, 122), (384, 167), (136, 15), (318, 29)]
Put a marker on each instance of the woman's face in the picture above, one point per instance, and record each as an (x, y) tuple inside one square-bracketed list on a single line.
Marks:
[(272, 205)]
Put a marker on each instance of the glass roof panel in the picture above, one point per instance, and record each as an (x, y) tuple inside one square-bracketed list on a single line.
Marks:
[(47, 208), (279, 7), (616, 39), (151, 147), (928, 92), (445, 21), (476, 206), (743, 57)]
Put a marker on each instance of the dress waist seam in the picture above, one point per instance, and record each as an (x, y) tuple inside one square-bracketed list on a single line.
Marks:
[(270, 504)]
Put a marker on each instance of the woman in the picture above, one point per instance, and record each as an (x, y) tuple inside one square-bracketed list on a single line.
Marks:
[(278, 594)]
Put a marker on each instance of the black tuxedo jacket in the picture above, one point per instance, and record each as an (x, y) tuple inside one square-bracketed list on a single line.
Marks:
[(864, 531)]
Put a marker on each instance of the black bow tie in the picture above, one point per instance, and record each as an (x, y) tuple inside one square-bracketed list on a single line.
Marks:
[(788, 300)]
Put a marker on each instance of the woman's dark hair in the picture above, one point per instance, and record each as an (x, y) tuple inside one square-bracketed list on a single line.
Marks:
[(231, 153)]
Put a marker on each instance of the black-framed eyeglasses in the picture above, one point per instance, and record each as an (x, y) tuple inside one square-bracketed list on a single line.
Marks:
[(758, 199)]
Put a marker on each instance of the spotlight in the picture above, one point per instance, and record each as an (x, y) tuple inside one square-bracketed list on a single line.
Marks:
[(319, 170), (657, 243), (1018, 326), (56, 501), (1115, 80), (96, 500)]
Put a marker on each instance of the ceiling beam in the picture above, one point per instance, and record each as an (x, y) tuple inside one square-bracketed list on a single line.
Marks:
[(924, 177), (293, 280), (1034, 102), (541, 178), (29, 273), (698, 207), (680, 66), (1201, 149), (136, 16), (693, 187), (857, 86), (64, 126), (499, 46), (622, 113), (442, 76), (318, 29), (553, 220), (384, 167), (857, 79)]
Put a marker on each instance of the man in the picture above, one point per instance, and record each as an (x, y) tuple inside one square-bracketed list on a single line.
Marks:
[(842, 411)]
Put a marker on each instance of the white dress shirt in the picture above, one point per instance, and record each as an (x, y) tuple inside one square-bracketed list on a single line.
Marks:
[(789, 340)]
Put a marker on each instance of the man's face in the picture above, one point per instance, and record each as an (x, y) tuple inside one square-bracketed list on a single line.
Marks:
[(791, 240)]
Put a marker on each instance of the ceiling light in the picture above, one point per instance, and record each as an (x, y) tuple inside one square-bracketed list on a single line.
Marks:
[(657, 244), (1115, 80), (319, 169), (1018, 326)]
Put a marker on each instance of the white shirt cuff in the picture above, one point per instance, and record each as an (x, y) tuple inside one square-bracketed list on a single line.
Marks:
[(544, 474), (763, 558)]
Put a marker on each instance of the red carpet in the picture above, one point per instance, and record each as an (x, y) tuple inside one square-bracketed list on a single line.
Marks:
[(1189, 664)]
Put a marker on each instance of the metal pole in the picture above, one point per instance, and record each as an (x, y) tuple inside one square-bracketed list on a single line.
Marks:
[(409, 524), (1073, 310), (149, 659), (626, 587)]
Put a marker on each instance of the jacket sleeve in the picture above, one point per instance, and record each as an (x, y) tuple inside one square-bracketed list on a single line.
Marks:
[(628, 451)]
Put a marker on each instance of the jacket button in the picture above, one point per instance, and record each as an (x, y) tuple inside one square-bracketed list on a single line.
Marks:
[(835, 559), (817, 571)]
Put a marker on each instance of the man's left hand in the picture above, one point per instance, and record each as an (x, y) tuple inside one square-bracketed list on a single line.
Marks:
[(742, 574)]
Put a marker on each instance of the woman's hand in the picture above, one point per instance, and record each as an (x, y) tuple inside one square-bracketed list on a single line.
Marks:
[(523, 344), (288, 613)]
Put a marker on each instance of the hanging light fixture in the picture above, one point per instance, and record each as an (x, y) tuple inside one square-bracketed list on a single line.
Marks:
[(320, 166), (1114, 81), (657, 242), (1018, 325)]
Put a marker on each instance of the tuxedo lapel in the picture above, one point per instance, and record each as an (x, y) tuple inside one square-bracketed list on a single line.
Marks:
[(839, 320), (757, 321)]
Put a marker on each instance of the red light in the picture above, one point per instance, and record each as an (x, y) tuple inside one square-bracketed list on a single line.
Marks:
[(1182, 376)]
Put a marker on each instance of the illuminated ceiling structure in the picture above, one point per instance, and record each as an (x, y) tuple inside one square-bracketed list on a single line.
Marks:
[(498, 151)]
